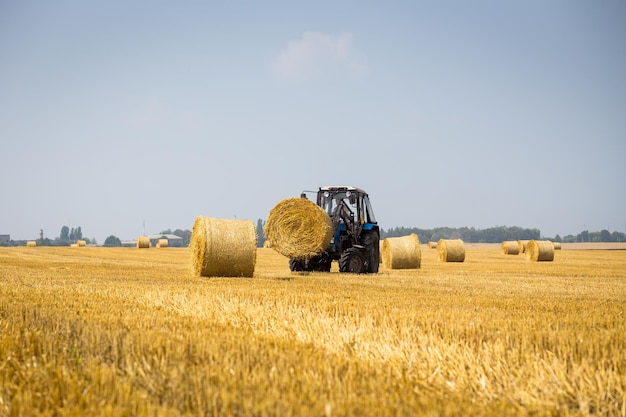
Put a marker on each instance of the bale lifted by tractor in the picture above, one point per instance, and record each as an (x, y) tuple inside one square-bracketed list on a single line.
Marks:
[(355, 239)]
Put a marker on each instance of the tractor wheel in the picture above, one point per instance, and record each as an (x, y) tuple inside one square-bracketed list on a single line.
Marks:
[(323, 265), (320, 263), (372, 243), (297, 265), (352, 261)]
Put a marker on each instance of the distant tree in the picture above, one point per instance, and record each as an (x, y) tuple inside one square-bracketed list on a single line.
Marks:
[(557, 238), (260, 236), (185, 234), (605, 236), (78, 233), (65, 233), (569, 239), (583, 236), (112, 241)]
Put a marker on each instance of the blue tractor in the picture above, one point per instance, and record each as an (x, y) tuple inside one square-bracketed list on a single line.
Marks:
[(355, 243)]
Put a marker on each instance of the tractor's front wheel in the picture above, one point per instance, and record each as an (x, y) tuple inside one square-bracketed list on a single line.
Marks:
[(371, 241), (352, 260), (297, 265)]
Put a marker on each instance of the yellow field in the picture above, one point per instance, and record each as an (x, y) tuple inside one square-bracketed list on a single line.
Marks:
[(128, 332)]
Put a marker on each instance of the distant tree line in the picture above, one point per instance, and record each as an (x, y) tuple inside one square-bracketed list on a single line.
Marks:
[(587, 236), (65, 238), (467, 234)]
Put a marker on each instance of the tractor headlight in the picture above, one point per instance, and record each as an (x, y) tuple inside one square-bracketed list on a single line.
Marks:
[(348, 193), (326, 194)]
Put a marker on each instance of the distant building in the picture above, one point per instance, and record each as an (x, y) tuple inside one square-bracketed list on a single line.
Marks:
[(5, 238), (172, 240)]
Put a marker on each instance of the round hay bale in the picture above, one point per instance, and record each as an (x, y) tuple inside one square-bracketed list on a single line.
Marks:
[(522, 245), (81, 243), (162, 243), (510, 247), (31, 243), (266, 244), (143, 242), (402, 252), (432, 245), (557, 245), (73, 245), (539, 251), (298, 228), (223, 247), (451, 250)]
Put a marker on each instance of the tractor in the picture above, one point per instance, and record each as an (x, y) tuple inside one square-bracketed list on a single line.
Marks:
[(355, 242)]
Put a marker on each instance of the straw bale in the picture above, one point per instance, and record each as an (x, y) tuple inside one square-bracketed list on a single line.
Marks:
[(266, 244), (31, 243), (402, 252), (162, 243), (557, 245), (451, 250), (522, 245), (143, 242), (73, 245), (298, 228), (539, 250), (432, 245), (223, 247), (510, 247), (81, 243)]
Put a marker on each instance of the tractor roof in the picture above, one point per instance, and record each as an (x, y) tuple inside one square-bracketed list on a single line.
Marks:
[(342, 188)]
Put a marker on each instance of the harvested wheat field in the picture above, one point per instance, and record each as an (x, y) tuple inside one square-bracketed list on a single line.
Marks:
[(121, 332)]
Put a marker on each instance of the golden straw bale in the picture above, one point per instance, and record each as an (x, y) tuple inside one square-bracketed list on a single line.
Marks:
[(266, 244), (298, 228), (223, 247), (522, 245), (31, 243), (510, 247), (557, 245), (143, 242), (432, 245), (162, 243), (451, 250), (73, 245), (539, 250), (402, 252), (81, 243)]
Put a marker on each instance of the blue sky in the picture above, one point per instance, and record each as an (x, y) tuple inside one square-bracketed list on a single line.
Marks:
[(449, 113)]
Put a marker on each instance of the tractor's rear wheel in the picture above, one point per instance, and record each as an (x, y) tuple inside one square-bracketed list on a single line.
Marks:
[(371, 241), (352, 260)]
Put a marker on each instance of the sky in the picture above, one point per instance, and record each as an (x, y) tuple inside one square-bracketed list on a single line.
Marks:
[(132, 117)]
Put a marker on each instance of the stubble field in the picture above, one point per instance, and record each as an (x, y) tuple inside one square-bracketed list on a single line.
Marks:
[(130, 332)]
